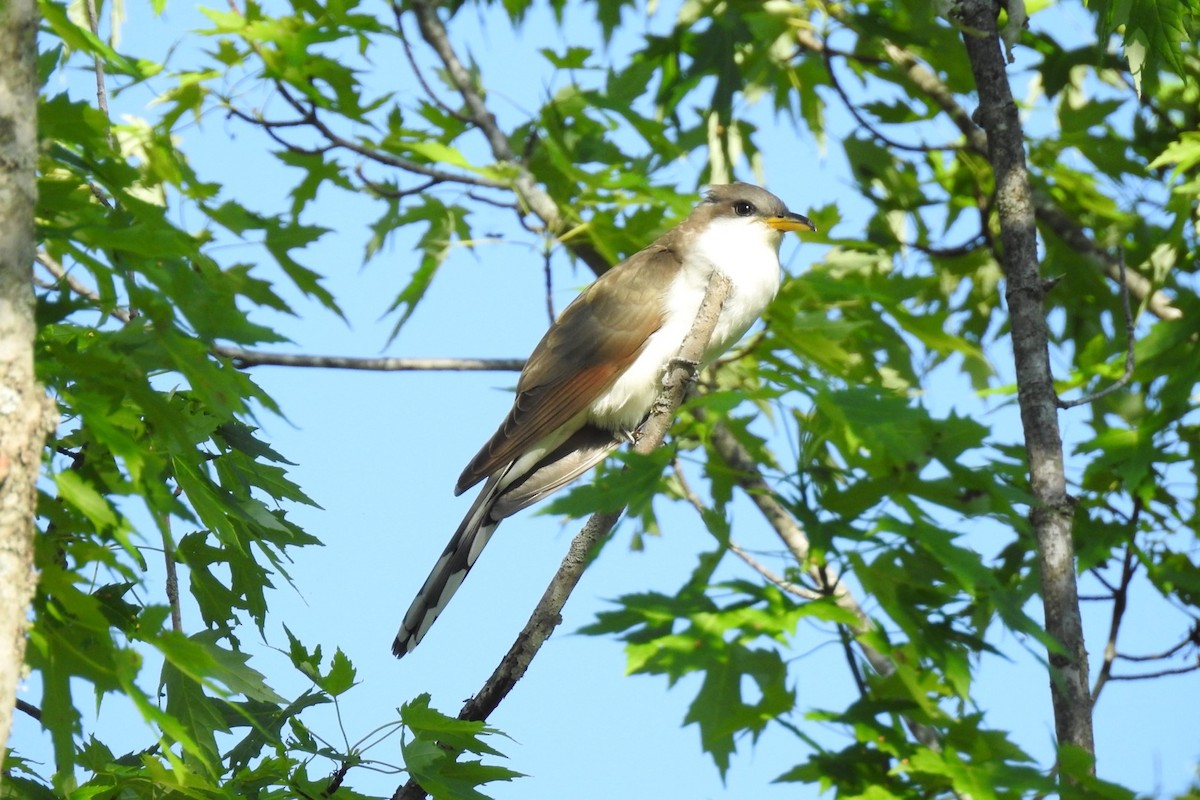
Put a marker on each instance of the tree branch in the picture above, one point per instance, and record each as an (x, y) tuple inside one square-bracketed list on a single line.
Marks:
[(1193, 638), (60, 273), (1053, 508), (795, 539), (1120, 600), (1162, 673), (531, 195), (778, 580), (256, 358), (548, 613), (1157, 302)]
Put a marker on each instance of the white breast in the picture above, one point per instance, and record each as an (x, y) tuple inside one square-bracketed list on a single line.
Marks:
[(747, 252)]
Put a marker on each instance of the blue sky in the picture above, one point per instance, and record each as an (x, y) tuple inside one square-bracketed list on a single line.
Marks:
[(380, 452)]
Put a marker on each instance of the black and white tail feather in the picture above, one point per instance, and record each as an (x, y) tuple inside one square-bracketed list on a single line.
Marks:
[(503, 495), (451, 569)]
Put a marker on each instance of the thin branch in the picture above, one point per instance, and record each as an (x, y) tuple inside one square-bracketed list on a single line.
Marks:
[(531, 195), (1048, 213), (921, 77), (98, 62), (780, 581), (172, 575), (308, 116), (548, 613), (420, 76), (435, 35), (549, 275), (795, 539), (388, 193), (1162, 673), (1193, 638), (491, 201), (694, 500), (60, 273), (953, 251), (1120, 603), (1157, 302), (847, 639), (870, 127), (30, 709), (243, 359), (1095, 573)]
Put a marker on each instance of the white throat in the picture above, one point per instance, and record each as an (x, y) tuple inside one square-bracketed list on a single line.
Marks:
[(746, 251)]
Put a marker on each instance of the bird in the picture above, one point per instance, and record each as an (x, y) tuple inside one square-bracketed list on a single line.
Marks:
[(592, 379)]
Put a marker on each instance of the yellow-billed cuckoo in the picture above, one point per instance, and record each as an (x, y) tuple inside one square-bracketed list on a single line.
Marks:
[(592, 378)]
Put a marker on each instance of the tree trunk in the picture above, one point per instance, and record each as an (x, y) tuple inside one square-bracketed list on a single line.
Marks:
[(26, 415), (1053, 511)]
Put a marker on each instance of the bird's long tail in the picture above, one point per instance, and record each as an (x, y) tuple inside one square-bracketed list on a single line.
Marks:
[(451, 568), (504, 494)]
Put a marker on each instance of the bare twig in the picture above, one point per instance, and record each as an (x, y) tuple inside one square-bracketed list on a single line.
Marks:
[(861, 118), (530, 194), (420, 76), (1120, 600), (847, 640), (1162, 673), (548, 613), (379, 190), (1193, 638), (60, 273), (953, 251), (1053, 509), (172, 586), (308, 116), (1157, 302), (89, 7), (693, 498), (29, 709), (549, 275), (255, 358), (780, 581)]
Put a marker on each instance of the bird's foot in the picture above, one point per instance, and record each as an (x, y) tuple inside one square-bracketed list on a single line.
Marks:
[(691, 365)]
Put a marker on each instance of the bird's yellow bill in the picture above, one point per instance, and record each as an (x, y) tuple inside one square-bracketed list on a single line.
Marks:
[(791, 222)]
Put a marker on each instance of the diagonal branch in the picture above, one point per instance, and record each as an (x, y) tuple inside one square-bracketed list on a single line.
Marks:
[(796, 540), (1120, 601), (531, 195), (548, 613), (1065, 228)]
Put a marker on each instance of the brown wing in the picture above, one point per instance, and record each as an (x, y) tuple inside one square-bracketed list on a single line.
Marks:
[(594, 340)]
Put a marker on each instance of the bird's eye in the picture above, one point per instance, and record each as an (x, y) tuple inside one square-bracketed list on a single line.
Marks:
[(743, 208)]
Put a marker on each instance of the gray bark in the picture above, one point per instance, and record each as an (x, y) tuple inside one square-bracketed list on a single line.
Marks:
[(1052, 511), (25, 413)]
